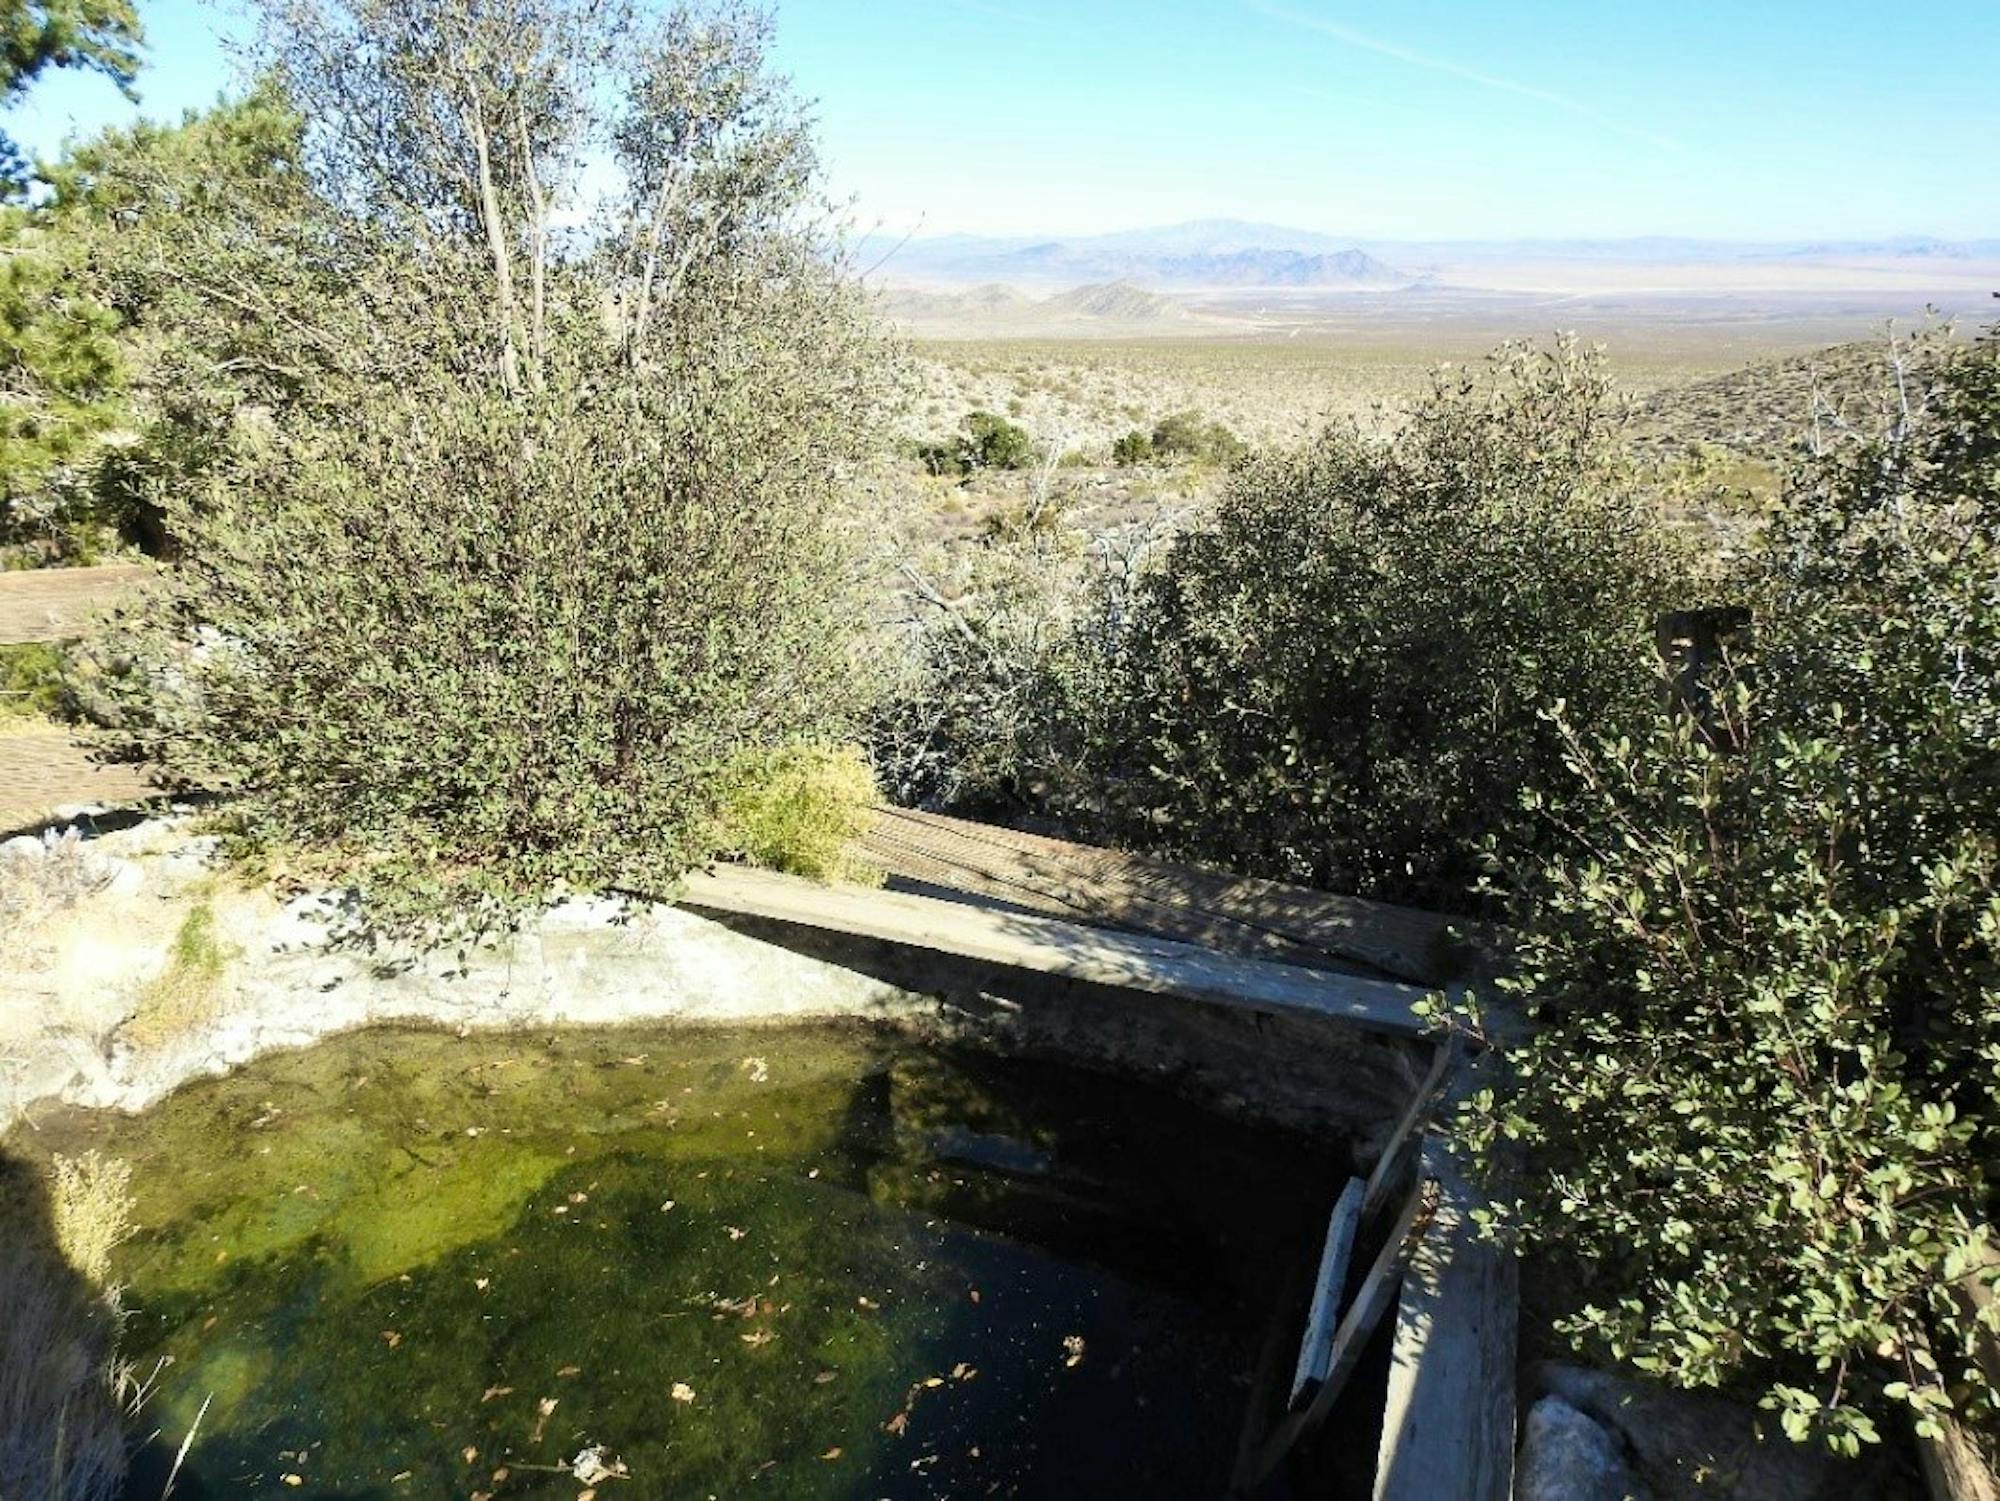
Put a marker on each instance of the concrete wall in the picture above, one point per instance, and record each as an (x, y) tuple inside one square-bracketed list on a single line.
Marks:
[(87, 927)]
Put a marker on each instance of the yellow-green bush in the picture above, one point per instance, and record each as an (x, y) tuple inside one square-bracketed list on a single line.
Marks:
[(798, 807)]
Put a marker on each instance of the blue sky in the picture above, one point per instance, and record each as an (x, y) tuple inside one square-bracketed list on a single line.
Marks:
[(1779, 119)]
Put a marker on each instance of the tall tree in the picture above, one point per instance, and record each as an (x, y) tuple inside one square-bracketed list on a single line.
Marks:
[(521, 521), (101, 35)]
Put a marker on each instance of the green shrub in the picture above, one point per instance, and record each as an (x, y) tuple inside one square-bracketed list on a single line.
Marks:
[(1132, 448), (1762, 1110), (988, 442), (1337, 676), (1187, 435), (797, 808), (944, 458), (993, 442)]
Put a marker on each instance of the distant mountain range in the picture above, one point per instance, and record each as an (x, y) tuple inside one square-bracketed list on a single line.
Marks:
[(1100, 308), (1234, 253), (1200, 254)]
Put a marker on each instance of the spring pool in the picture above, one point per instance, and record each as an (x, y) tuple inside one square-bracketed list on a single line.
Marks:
[(808, 1262)]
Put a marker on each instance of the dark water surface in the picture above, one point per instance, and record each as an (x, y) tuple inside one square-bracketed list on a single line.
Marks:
[(813, 1262)]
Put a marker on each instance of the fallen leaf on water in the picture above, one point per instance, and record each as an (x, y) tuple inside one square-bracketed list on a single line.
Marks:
[(294, 1479), (898, 1423), (588, 1495), (543, 1409), (482, 1283), (831, 1454), (975, 1295), (682, 1392), (1072, 1349), (468, 1454), (579, 1198), (500, 1475), (570, 1370), (495, 1391), (736, 1234), (757, 1337), (963, 1372), (868, 1303), (933, 1381), (400, 1476), (391, 1338), (823, 1377)]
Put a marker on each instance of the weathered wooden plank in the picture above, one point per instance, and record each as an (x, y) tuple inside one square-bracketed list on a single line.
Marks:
[(1371, 1303), (1448, 1425), (1023, 941), (53, 604), (1316, 1349), (43, 769), (1394, 1167), (1087, 884)]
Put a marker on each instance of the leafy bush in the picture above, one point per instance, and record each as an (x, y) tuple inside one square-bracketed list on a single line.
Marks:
[(1763, 1106), (1179, 437), (988, 442), (987, 697), (1131, 448), (796, 808), (944, 458), (1336, 677), (511, 547), (1187, 435)]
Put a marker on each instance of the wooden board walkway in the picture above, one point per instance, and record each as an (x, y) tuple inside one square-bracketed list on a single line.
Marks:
[(1049, 945), (54, 604)]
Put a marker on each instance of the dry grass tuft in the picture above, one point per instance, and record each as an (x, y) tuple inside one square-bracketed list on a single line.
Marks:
[(62, 1412), (34, 887), (187, 993), (92, 1210)]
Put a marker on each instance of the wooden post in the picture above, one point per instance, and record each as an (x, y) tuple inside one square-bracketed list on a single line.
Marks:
[(1371, 1302), (1316, 1349), (1448, 1423)]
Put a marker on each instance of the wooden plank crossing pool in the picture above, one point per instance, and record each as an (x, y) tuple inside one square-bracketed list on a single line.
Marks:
[(1050, 945)]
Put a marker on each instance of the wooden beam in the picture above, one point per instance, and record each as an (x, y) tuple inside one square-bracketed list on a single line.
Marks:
[(1316, 1349), (1050, 946), (54, 604), (1371, 1302), (1393, 1169), (1448, 1424), (1262, 919)]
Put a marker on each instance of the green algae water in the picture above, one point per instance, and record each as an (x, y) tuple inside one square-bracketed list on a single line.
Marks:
[(818, 1262)]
